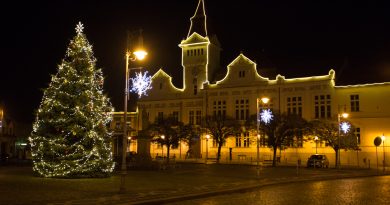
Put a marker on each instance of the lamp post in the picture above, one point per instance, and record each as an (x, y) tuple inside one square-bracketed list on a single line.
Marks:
[(162, 146), (343, 115), (133, 56), (384, 159), (264, 101), (207, 147), (316, 140)]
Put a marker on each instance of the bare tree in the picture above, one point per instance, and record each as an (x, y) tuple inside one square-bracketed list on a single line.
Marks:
[(220, 128), (328, 131), (283, 128)]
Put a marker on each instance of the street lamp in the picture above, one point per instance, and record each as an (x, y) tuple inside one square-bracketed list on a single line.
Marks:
[(162, 146), (207, 147), (316, 139), (133, 56), (343, 115), (264, 101), (384, 159)]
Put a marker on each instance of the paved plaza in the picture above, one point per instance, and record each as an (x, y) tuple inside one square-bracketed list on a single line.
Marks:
[(18, 185)]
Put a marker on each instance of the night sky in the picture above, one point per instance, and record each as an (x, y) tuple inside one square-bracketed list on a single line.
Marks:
[(295, 40)]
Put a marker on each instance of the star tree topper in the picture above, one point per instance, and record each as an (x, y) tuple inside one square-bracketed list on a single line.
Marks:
[(141, 83)]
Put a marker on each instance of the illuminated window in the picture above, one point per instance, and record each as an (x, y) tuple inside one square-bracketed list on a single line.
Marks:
[(354, 103), (215, 144), (322, 106), (294, 105), (264, 140), (238, 140), (357, 134), (246, 139), (242, 109)]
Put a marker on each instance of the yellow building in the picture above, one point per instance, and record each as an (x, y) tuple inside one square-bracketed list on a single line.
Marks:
[(236, 95)]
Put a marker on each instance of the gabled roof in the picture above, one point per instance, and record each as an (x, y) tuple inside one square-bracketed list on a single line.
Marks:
[(195, 38)]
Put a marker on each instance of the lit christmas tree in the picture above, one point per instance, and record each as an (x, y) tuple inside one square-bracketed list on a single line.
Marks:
[(69, 137)]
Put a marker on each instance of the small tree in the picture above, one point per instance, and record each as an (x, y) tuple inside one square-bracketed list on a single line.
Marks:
[(328, 131), (187, 134), (170, 129), (282, 128), (220, 128)]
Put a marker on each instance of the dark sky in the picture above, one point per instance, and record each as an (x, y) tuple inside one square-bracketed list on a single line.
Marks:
[(295, 40)]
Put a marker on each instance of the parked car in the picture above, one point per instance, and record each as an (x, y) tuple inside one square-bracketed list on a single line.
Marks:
[(318, 160)]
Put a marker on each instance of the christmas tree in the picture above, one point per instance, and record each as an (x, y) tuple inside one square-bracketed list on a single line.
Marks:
[(70, 137)]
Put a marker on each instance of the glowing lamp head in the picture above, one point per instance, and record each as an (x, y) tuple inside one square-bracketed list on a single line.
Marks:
[(316, 138), (140, 54), (265, 100), (345, 115), (258, 136), (383, 137), (162, 137), (207, 136)]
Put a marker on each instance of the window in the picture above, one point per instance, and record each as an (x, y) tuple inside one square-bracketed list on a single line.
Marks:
[(188, 52), (242, 109), (242, 139), (294, 105), (117, 125), (241, 74), (354, 103), (322, 106), (175, 116), (195, 89), (357, 134), (219, 108), (161, 86), (191, 118), (238, 140), (246, 139), (160, 116), (192, 52), (198, 119), (201, 51), (264, 140)]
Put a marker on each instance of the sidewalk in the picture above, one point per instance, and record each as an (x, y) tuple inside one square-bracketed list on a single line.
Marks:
[(19, 186)]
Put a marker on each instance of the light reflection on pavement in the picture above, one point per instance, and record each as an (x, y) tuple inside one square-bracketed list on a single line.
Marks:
[(367, 190)]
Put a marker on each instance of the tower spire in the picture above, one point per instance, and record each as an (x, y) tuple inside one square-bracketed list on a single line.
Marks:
[(198, 21)]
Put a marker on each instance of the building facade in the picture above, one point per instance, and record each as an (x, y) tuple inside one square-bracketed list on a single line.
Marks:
[(237, 95)]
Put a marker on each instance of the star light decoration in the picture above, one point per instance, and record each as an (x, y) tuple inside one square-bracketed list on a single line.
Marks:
[(266, 116), (141, 83), (345, 126), (79, 28)]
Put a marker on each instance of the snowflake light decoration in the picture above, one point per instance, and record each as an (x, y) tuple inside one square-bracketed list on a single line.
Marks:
[(79, 28), (345, 126), (141, 83), (266, 116)]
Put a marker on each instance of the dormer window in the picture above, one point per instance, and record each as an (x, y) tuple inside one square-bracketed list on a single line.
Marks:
[(161, 85), (241, 74)]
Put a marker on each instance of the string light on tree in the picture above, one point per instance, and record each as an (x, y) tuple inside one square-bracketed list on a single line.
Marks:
[(142, 82), (266, 116), (345, 127), (69, 137)]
